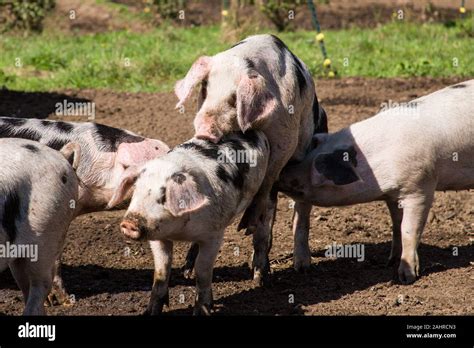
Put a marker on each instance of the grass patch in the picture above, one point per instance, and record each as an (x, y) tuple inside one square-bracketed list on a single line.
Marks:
[(153, 61)]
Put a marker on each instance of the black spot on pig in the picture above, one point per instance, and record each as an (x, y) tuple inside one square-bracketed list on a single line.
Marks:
[(222, 174), (111, 137), (335, 167), (162, 199), (64, 127), (13, 121), (320, 118), (31, 148), (56, 143), (238, 43), (10, 214), (26, 133), (251, 138), (178, 178), (461, 85), (300, 77), (64, 178), (249, 63), (280, 44), (209, 150)]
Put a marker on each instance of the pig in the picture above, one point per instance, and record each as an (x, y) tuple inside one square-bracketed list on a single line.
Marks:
[(38, 188), (258, 84), (107, 155), (402, 156), (192, 194)]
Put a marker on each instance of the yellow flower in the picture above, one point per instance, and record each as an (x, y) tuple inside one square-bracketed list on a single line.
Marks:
[(320, 37), (225, 13), (146, 9), (327, 62), (462, 9), (331, 74)]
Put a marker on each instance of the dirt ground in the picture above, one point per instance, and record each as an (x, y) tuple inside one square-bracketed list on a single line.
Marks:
[(109, 275)]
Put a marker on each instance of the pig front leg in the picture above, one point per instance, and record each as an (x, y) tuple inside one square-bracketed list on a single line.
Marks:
[(190, 260), (301, 225), (58, 294), (415, 214), (163, 257), (396, 213), (203, 269)]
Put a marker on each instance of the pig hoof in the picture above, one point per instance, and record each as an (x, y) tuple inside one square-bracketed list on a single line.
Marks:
[(406, 274), (302, 264), (58, 297), (202, 309), (392, 261), (188, 273), (155, 307)]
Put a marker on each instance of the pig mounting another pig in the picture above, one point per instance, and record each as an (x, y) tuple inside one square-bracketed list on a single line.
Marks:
[(192, 194), (38, 191), (402, 156), (258, 84)]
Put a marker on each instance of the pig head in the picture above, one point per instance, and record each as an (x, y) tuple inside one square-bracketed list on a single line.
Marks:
[(234, 96)]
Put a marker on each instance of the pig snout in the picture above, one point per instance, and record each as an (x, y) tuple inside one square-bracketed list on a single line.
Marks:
[(206, 130), (131, 229)]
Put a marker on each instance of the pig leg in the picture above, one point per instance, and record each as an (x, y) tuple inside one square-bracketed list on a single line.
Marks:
[(58, 294), (18, 270), (41, 280), (262, 241), (190, 260), (396, 213), (415, 214), (301, 225), (163, 257), (208, 251)]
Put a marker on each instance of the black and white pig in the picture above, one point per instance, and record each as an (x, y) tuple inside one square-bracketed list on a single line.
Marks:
[(107, 154), (258, 84), (192, 194), (38, 191), (402, 156)]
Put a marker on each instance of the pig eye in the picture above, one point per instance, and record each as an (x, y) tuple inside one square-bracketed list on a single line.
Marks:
[(232, 100)]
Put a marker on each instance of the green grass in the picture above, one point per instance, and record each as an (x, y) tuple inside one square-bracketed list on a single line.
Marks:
[(158, 58)]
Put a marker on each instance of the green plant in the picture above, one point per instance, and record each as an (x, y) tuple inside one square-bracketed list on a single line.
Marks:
[(24, 14), (169, 9), (278, 11)]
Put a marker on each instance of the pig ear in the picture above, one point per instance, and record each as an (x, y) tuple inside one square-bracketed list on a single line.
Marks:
[(338, 167), (127, 180), (255, 103), (72, 152), (135, 154), (182, 195), (195, 75)]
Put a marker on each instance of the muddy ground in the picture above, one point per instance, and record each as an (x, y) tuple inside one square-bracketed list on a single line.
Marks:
[(109, 275)]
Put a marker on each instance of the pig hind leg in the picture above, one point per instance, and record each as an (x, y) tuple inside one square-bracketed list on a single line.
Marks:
[(262, 241), (301, 225), (190, 260), (396, 213), (163, 257), (208, 251), (40, 277), (415, 214)]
